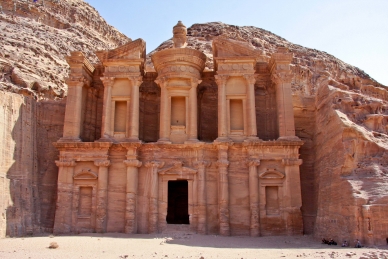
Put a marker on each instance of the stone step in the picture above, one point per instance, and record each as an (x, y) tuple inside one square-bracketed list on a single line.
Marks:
[(178, 229)]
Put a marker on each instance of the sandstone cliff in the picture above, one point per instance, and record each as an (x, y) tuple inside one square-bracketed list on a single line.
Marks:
[(36, 38), (340, 113)]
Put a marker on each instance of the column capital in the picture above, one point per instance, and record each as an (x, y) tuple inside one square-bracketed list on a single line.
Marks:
[(253, 162), (107, 81), (221, 79), (136, 80), (132, 163), (76, 82), (291, 161), (202, 164), (250, 78), (66, 163), (162, 81), (222, 163), (102, 163), (280, 77), (195, 81), (154, 164)]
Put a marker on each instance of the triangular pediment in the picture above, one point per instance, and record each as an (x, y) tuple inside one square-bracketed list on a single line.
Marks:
[(225, 47), (85, 174), (271, 174), (177, 169), (131, 50)]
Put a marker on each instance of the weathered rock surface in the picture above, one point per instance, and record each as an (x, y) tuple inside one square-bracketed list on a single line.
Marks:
[(36, 38), (340, 113)]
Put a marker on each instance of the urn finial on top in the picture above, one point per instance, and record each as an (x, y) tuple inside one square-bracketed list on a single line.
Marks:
[(180, 38)]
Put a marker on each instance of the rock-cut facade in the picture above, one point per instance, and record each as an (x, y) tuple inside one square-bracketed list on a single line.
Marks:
[(212, 150)]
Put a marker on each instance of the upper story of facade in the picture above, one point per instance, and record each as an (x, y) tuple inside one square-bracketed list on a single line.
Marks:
[(246, 97)]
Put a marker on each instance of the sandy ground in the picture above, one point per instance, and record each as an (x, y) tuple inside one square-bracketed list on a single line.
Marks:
[(178, 246)]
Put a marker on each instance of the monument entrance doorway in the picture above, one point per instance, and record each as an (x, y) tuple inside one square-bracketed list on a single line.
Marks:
[(178, 202)]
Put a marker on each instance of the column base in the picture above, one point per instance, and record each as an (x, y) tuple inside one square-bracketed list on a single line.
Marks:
[(289, 138), (222, 140), (191, 141), (164, 141), (252, 139), (70, 139)]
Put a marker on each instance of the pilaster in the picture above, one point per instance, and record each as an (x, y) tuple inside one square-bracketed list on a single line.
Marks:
[(102, 195), (202, 217), (222, 112), (254, 199), (165, 113), (223, 189), (63, 215), (153, 195), (133, 119), (251, 107), (193, 128), (107, 128), (131, 195)]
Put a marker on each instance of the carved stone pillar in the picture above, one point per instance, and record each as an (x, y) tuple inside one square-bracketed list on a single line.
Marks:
[(165, 113), (131, 196), (292, 201), (133, 128), (63, 215), (193, 130), (223, 190), (107, 128), (73, 114), (202, 222), (153, 202), (222, 112), (251, 107), (254, 198), (102, 195), (282, 77)]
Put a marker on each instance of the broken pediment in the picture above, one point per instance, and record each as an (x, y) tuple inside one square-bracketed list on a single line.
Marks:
[(271, 174), (132, 50), (85, 174)]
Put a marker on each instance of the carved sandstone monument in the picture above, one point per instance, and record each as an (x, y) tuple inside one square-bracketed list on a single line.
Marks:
[(226, 181), (209, 130)]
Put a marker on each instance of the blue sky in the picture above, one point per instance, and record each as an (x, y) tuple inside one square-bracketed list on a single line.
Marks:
[(356, 31)]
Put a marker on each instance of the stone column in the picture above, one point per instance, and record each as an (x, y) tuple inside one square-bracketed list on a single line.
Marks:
[(223, 190), (254, 201), (133, 133), (165, 114), (63, 215), (292, 201), (251, 107), (153, 203), (284, 103), (193, 128), (131, 196), (107, 128), (73, 114), (102, 195), (222, 113), (202, 222)]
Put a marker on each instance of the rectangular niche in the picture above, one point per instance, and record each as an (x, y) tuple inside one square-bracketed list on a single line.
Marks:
[(85, 201), (120, 116), (272, 200), (236, 115), (178, 111)]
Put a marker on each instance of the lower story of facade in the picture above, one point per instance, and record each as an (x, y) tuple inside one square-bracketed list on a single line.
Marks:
[(250, 188)]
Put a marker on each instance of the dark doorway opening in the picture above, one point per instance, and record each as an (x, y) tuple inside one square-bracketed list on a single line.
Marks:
[(178, 202)]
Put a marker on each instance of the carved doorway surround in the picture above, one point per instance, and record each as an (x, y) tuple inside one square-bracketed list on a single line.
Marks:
[(174, 173)]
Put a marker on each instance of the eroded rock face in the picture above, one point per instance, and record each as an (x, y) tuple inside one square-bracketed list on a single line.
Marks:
[(36, 38)]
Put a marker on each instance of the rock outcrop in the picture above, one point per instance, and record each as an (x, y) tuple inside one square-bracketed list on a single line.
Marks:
[(341, 114), (36, 38)]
